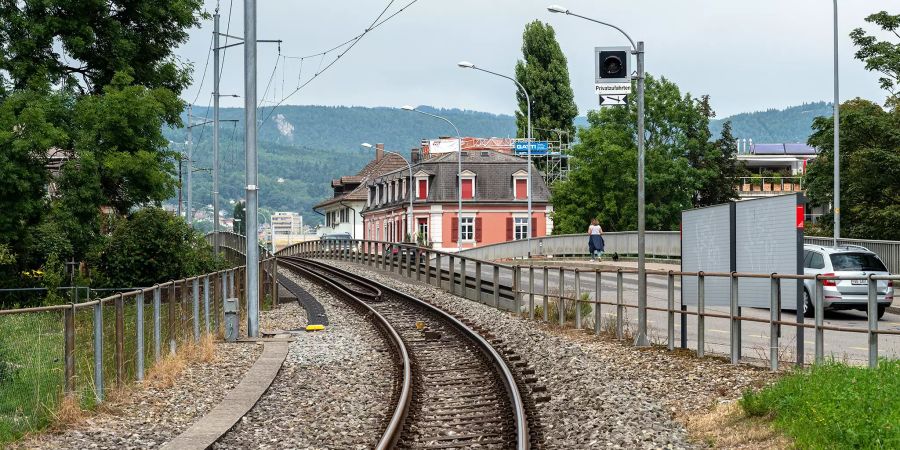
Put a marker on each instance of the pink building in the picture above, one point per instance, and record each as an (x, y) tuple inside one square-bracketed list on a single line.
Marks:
[(495, 201)]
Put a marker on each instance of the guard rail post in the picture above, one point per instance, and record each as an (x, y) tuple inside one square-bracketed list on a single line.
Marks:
[(478, 280), (598, 284), (437, 270), (517, 305), (418, 256), (577, 299), (774, 315), (98, 350), (206, 287), (427, 265), (531, 291), (171, 318), (139, 333), (462, 279), (496, 286), (220, 302), (69, 351), (670, 322), (275, 288), (157, 338), (734, 322), (561, 302), (195, 290), (819, 319), (120, 341), (546, 294), (701, 318), (872, 332), (452, 275), (620, 304), (411, 254)]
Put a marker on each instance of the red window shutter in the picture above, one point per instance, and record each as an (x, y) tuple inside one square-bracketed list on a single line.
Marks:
[(423, 189), (467, 189), (509, 228), (478, 229), (454, 230), (533, 226), (521, 189)]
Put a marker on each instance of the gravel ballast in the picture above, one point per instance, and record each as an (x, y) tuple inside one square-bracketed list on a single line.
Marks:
[(604, 393), (149, 417), (334, 389)]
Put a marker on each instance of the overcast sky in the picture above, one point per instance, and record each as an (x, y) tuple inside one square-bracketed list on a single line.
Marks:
[(748, 55)]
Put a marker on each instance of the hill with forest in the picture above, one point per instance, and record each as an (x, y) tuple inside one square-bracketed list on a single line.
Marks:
[(302, 148)]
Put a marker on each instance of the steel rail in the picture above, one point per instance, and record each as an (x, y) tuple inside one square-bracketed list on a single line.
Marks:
[(515, 398), (395, 426)]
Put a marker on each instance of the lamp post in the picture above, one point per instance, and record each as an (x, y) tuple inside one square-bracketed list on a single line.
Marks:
[(468, 65), (837, 133), (458, 173), (409, 219), (640, 338)]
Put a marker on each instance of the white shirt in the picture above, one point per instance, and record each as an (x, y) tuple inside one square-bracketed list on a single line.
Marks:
[(595, 229)]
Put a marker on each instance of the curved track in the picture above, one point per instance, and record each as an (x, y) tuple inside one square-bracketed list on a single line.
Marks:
[(457, 391)]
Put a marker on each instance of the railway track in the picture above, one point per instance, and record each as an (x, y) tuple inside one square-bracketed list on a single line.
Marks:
[(453, 388)]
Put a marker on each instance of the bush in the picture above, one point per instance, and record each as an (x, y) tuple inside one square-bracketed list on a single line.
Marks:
[(834, 406)]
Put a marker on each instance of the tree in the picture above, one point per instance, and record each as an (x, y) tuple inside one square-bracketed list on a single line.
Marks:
[(881, 56), (683, 168), (240, 218), (545, 74)]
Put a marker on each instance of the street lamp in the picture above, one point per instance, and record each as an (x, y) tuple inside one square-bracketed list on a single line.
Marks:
[(458, 173), (640, 338), (468, 65), (409, 222)]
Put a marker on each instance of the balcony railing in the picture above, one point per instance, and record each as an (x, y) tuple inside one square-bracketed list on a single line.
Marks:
[(769, 185)]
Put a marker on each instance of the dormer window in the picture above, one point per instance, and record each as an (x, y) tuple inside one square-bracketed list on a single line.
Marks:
[(421, 185), (467, 178), (520, 185)]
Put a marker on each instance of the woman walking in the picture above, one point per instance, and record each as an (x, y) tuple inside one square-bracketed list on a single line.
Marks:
[(595, 239)]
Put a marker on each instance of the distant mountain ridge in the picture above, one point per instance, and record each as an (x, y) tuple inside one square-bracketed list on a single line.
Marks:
[(786, 125)]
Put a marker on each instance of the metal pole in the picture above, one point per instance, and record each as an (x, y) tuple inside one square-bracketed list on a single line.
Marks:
[(206, 302), (139, 322), (215, 144), (528, 183), (640, 339), (252, 277), (459, 194), (837, 133), (157, 337), (190, 167), (98, 350)]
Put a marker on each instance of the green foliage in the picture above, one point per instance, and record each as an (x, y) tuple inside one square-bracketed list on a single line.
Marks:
[(7, 257), (792, 124), (545, 74), (152, 246), (240, 218), (834, 406), (881, 56), (683, 168), (54, 275)]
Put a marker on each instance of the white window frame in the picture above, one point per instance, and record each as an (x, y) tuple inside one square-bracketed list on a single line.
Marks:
[(520, 175), (419, 227), (520, 221), (418, 178), (471, 220), (469, 175)]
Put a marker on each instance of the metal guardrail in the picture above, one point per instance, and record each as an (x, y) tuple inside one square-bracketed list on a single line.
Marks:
[(483, 281)]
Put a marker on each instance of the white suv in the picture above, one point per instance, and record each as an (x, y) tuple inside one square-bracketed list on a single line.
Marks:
[(844, 294)]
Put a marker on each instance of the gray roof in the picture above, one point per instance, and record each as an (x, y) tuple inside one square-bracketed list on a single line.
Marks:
[(493, 177)]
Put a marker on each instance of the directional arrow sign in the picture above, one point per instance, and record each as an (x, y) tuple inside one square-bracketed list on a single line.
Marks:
[(613, 100)]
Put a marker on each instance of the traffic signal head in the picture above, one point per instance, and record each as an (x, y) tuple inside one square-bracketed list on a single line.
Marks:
[(612, 64)]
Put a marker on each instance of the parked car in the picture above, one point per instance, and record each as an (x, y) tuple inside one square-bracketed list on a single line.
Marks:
[(337, 241), (844, 294), (395, 250)]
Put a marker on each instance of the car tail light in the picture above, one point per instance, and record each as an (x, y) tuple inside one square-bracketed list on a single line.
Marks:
[(831, 283), (890, 283)]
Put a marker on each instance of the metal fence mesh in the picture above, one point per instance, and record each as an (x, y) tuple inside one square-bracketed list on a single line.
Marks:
[(31, 371)]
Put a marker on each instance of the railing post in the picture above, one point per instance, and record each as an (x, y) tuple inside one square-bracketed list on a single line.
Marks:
[(157, 325), (598, 286), (872, 313), (478, 281), (464, 291), (531, 291), (410, 259), (98, 350), (437, 267), (418, 257), (171, 318), (517, 304), (206, 302), (734, 322), (496, 286), (670, 323), (427, 267), (139, 332), (701, 319), (561, 303), (577, 299), (819, 315), (195, 289), (69, 351), (120, 341), (620, 305), (774, 315), (546, 294), (452, 276), (275, 294), (220, 302)]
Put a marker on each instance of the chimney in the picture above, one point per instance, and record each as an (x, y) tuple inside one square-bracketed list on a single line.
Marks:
[(379, 152), (414, 155)]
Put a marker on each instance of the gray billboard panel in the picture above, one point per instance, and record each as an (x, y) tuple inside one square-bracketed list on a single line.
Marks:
[(768, 241), (706, 246)]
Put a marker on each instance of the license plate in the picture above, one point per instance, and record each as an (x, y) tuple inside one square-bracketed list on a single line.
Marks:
[(859, 282)]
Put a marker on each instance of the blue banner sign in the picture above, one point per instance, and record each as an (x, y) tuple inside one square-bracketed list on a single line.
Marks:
[(537, 148)]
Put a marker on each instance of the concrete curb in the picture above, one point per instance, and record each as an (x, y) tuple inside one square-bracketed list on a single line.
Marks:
[(206, 431)]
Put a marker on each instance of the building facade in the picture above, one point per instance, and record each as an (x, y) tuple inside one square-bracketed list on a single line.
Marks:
[(494, 197), (343, 211)]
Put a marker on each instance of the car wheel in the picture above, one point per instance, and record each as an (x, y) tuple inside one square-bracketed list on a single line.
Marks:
[(809, 310)]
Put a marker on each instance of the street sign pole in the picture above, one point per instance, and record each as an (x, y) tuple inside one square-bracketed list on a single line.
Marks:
[(252, 237), (640, 339)]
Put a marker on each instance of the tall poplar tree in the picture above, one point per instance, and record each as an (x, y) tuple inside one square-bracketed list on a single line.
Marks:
[(544, 73)]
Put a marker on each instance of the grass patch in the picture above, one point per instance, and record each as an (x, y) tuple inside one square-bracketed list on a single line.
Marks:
[(834, 406)]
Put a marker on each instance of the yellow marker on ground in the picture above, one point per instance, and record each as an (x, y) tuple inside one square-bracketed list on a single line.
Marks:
[(420, 324), (315, 327)]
